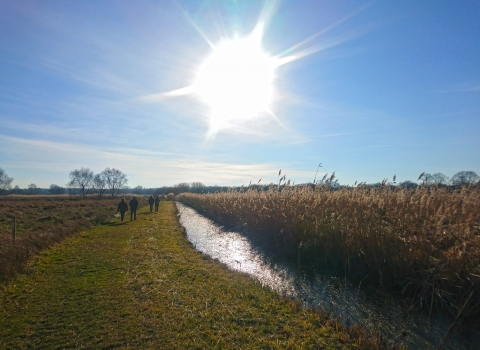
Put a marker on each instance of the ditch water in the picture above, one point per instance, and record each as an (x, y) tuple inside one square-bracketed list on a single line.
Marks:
[(360, 304)]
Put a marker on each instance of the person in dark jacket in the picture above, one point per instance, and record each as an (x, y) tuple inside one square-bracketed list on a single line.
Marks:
[(151, 201), (122, 208), (157, 202), (133, 208)]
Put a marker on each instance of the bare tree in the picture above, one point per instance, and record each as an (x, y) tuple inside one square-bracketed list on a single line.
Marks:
[(100, 184), (464, 178), (181, 187), (408, 184), (5, 180), (81, 178), (197, 187), (440, 178), (427, 178), (33, 189), (17, 190), (114, 179), (55, 189)]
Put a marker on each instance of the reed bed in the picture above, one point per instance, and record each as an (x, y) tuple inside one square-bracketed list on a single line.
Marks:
[(43, 221), (424, 242)]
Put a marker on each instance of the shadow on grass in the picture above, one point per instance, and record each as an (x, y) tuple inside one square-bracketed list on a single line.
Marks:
[(114, 223)]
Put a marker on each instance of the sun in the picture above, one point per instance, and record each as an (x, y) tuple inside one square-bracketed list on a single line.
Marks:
[(236, 82)]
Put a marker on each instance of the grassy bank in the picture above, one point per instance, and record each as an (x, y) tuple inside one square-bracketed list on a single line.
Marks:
[(142, 285), (44, 220), (423, 241)]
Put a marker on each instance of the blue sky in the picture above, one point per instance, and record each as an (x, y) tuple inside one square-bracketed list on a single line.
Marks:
[(380, 88)]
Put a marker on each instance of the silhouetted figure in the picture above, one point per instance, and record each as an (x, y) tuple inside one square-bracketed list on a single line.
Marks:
[(157, 202), (151, 201), (133, 208), (122, 208)]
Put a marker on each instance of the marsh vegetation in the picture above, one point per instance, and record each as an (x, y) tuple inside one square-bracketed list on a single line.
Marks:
[(423, 242), (166, 295)]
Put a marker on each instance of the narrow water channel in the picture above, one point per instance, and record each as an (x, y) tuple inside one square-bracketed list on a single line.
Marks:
[(353, 304)]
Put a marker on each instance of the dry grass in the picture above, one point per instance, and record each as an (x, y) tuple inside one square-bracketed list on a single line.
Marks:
[(166, 294), (44, 220), (425, 240)]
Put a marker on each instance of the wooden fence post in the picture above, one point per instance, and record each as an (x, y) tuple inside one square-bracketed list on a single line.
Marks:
[(14, 229)]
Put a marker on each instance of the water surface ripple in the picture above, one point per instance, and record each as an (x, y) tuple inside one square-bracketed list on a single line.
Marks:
[(375, 310)]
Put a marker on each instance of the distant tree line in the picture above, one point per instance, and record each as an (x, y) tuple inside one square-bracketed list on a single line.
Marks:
[(195, 187), (111, 181), (82, 181), (438, 179), (459, 179)]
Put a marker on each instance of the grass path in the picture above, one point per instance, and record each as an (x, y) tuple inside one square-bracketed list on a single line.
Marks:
[(141, 285)]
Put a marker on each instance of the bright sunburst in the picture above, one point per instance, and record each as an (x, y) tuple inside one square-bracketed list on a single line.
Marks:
[(236, 82)]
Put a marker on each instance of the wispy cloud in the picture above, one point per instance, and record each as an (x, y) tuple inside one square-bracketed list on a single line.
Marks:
[(11, 123), (308, 140), (420, 144), (462, 87), (147, 168)]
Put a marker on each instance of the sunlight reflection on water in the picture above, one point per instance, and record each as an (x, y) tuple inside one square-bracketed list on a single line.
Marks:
[(369, 307)]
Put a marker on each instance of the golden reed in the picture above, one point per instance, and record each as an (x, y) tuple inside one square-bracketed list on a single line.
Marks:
[(425, 240)]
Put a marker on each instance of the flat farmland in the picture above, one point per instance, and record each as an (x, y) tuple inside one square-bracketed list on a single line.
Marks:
[(44, 220)]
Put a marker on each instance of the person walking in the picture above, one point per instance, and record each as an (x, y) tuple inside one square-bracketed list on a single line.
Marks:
[(133, 208), (157, 202), (151, 201), (122, 208)]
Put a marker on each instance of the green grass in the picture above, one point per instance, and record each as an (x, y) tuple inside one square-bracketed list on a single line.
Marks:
[(43, 221), (141, 284)]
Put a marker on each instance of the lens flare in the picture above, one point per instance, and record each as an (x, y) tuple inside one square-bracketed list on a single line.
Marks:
[(237, 80)]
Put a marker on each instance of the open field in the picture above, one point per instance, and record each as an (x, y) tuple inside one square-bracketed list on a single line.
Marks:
[(44, 220), (141, 285), (424, 242)]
